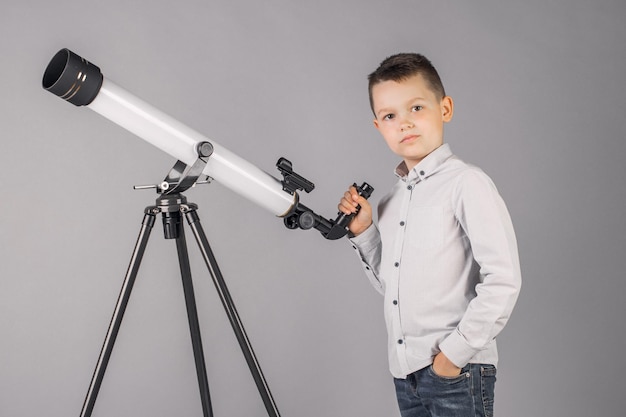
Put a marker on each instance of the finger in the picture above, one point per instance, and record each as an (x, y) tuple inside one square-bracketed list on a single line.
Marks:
[(350, 197), (354, 194), (345, 210), (346, 206)]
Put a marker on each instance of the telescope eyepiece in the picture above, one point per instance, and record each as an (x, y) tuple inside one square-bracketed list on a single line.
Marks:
[(72, 78)]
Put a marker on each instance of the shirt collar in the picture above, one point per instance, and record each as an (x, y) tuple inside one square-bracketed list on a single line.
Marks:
[(426, 167)]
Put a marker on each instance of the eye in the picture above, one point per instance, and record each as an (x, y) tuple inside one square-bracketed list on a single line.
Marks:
[(416, 108), (389, 117)]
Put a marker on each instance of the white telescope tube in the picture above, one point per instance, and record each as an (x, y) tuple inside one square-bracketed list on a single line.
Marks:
[(178, 140), (81, 83)]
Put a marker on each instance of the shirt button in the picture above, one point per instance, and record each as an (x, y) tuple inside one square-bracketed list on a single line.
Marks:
[(397, 264), (395, 302), (400, 341), (401, 223), (422, 173), (409, 187)]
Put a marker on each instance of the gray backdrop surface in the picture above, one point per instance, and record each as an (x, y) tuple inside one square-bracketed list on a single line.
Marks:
[(539, 91)]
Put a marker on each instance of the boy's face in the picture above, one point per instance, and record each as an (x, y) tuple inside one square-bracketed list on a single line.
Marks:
[(410, 117)]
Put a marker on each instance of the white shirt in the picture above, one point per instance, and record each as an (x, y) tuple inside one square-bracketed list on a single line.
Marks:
[(444, 256)]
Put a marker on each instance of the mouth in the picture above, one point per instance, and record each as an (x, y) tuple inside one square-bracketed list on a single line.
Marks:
[(409, 138)]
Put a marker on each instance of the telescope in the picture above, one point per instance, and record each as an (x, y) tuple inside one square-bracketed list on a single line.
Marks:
[(81, 83)]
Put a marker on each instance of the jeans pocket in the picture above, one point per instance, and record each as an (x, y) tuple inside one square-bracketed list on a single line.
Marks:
[(448, 379)]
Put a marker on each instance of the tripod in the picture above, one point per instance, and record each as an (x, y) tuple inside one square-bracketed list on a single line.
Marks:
[(173, 206)]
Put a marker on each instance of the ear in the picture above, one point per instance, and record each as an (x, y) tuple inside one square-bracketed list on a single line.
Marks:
[(447, 108), (376, 124)]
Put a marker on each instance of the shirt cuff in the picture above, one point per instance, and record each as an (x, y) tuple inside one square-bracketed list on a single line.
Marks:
[(456, 348), (368, 240)]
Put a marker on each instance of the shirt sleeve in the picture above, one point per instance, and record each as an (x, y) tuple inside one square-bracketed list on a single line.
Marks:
[(484, 217), (368, 247)]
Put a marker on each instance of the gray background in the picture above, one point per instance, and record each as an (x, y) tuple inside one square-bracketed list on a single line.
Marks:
[(539, 93)]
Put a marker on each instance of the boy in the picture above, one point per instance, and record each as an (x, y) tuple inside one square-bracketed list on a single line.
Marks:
[(443, 253)]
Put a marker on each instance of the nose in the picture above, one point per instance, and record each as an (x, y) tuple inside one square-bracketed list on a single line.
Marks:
[(406, 125), (406, 121)]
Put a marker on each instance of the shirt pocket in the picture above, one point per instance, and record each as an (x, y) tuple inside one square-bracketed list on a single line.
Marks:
[(424, 228)]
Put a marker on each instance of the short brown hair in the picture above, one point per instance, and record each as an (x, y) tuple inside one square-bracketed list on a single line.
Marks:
[(402, 66)]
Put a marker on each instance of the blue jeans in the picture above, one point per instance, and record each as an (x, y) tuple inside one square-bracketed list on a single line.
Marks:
[(426, 394)]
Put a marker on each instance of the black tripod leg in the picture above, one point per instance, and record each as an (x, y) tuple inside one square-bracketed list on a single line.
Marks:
[(231, 311), (192, 316), (118, 314)]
